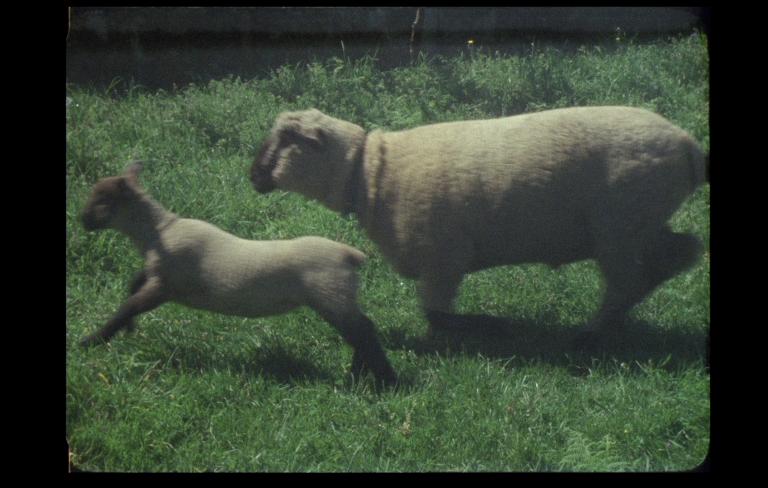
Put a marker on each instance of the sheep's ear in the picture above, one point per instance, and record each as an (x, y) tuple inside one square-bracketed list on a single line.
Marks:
[(314, 136)]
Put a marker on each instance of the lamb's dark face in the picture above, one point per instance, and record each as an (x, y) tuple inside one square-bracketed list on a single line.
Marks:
[(104, 202)]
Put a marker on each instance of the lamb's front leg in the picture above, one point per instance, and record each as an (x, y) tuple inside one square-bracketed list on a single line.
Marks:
[(136, 283), (148, 296)]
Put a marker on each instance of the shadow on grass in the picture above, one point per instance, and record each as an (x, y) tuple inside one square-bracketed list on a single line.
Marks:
[(282, 366), (273, 362), (557, 344)]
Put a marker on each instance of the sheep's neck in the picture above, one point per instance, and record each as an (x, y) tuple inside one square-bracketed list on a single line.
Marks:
[(145, 221), (371, 172), (355, 185)]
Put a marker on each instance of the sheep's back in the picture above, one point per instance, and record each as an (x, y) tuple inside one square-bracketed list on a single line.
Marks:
[(524, 188)]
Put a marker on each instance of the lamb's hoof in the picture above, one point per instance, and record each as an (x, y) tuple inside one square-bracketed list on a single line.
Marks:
[(387, 379), (384, 378), (92, 340)]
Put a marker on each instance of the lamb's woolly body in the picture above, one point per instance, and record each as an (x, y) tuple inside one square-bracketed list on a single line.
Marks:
[(205, 267), (196, 264), (555, 187), (210, 269)]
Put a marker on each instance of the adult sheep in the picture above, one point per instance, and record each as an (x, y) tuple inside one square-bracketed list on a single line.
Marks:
[(552, 187)]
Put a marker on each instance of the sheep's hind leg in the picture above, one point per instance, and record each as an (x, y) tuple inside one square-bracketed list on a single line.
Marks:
[(631, 275), (149, 296), (632, 278), (668, 255)]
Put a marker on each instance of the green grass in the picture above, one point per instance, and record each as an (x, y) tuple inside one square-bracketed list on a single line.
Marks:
[(195, 391)]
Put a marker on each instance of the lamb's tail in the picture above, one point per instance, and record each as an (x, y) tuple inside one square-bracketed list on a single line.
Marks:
[(355, 257)]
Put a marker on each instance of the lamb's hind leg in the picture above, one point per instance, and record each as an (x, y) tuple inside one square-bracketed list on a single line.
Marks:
[(360, 333), (150, 295), (368, 354)]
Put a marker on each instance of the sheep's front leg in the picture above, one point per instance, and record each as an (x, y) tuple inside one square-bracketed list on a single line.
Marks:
[(149, 295), (437, 295)]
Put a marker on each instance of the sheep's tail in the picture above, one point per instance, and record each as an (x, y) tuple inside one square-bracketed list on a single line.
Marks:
[(706, 165), (699, 164), (355, 257)]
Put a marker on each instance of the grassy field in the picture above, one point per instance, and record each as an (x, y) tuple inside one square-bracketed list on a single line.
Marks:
[(195, 391)]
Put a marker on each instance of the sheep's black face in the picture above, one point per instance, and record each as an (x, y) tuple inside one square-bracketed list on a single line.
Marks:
[(291, 157), (102, 204), (263, 165)]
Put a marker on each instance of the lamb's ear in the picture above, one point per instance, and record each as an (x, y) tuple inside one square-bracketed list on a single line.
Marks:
[(123, 186), (132, 172)]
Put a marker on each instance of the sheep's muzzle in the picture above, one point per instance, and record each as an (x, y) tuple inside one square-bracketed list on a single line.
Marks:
[(261, 170)]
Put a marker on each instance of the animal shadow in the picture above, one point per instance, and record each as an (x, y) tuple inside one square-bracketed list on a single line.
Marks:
[(274, 362), (558, 344)]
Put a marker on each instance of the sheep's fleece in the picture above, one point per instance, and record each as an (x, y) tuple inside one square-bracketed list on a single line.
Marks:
[(552, 187)]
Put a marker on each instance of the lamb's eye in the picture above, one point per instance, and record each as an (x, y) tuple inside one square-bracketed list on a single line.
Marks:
[(103, 208), (101, 200)]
